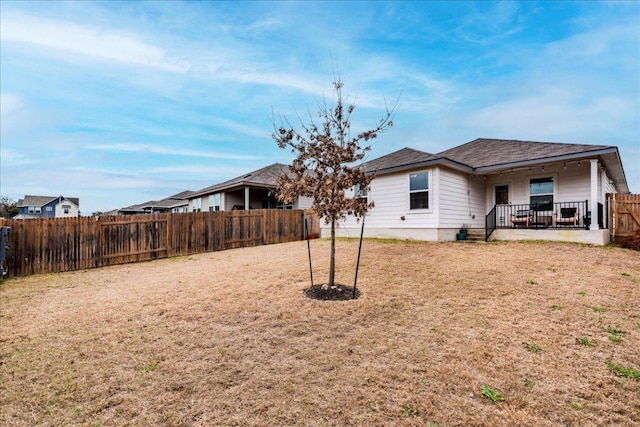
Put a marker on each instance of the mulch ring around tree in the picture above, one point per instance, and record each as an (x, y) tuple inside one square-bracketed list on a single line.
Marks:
[(331, 293)]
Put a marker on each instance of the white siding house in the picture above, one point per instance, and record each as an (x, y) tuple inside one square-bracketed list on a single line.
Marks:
[(503, 189)]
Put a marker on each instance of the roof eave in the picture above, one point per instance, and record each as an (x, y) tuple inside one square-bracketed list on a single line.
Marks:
[(442, 161), (545, 160), (234, 186)]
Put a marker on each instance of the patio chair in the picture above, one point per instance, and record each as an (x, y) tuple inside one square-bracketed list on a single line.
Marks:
[(568, 216), (522, 217)]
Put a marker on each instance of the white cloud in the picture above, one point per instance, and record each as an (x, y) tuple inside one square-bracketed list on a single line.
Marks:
[(9, 103), (147, 148), (81, 40), (13, 158)]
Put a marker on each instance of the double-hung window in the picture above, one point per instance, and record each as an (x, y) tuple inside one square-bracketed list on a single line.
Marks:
[(419, 190), (214, 202), (360, 192), (541, 194), (196, 205)]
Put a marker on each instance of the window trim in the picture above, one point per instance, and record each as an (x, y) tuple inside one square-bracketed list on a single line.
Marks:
[(428, 190), (213, 206), (361, 193), (553, 194)]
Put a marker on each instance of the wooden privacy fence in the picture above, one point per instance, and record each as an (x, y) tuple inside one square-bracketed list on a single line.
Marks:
[(624, 214), (64, 244)]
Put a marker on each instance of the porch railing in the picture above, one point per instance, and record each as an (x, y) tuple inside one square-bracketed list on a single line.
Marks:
[(541, 216), (490, 224)]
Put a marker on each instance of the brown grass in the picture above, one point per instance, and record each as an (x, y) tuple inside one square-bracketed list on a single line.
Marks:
[(228, 339)]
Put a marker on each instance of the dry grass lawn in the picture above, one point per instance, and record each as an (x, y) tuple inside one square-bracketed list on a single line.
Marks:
[(228, 339)]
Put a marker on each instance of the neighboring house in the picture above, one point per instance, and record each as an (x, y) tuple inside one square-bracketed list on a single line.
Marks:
[(504, 188), (177, 203), (48, 207), (253, 190)]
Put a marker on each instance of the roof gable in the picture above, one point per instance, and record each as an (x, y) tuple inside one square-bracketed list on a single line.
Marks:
[(45, 200)]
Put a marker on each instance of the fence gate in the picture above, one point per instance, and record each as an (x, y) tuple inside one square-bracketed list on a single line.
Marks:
[(133, 239), (624, 214)]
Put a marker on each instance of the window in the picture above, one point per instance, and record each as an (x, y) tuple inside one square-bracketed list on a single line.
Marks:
[(361, 192), (196, 205), (49, 208), (214, 202), (281, 205), (419, 190), (541, 194), (32, 209), (38, 209), (66, 208)]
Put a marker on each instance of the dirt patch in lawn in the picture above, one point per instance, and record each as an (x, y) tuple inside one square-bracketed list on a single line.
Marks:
[(332, 293), (229, 339)]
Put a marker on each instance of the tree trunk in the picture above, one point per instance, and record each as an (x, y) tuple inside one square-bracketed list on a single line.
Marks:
[(332, 262)]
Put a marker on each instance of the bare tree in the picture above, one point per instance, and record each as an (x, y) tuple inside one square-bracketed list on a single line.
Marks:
[(8, 207), (327, 163)]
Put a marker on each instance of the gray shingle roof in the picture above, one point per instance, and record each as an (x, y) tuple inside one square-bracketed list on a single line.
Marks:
[(43, 200), (402, 157), (483, 152), (264, 177)]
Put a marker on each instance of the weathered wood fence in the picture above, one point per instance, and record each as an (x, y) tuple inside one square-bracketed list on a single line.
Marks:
[(65, 244), (624, 215)]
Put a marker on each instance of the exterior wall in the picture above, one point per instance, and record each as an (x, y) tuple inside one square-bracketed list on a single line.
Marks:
[(232, 199), (73, 210), (390, 193), (303, 203), (570, 185), (450, 206), (50, 210), (461, 200)]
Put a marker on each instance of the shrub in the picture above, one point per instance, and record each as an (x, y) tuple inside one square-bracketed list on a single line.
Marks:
[(633, 241)]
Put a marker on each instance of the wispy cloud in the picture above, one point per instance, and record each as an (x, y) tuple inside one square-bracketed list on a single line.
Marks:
[(86, 41), (163, 150)]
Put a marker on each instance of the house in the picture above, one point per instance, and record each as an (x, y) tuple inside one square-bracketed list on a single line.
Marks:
[(505, 189), (253, 190), (177, 203), (48, 207)]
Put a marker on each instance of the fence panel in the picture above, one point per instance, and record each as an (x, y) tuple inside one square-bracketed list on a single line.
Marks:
[(65, 244), (624, 214)]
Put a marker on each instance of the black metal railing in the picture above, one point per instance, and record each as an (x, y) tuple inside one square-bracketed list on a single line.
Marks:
[(490, 224), (540, 216)]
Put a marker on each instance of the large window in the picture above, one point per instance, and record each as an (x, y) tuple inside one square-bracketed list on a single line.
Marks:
[(419, 190), (214, 202), (196, 205), (541, 194)]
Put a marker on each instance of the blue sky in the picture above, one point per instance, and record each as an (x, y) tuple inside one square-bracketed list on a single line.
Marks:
[(122, 102)]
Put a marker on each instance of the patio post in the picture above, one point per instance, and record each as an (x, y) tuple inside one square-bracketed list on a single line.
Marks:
[(593, 203), (246, 198)]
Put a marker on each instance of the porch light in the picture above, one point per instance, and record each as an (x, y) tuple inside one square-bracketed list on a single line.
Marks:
[(543, 169), (565, 165)]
